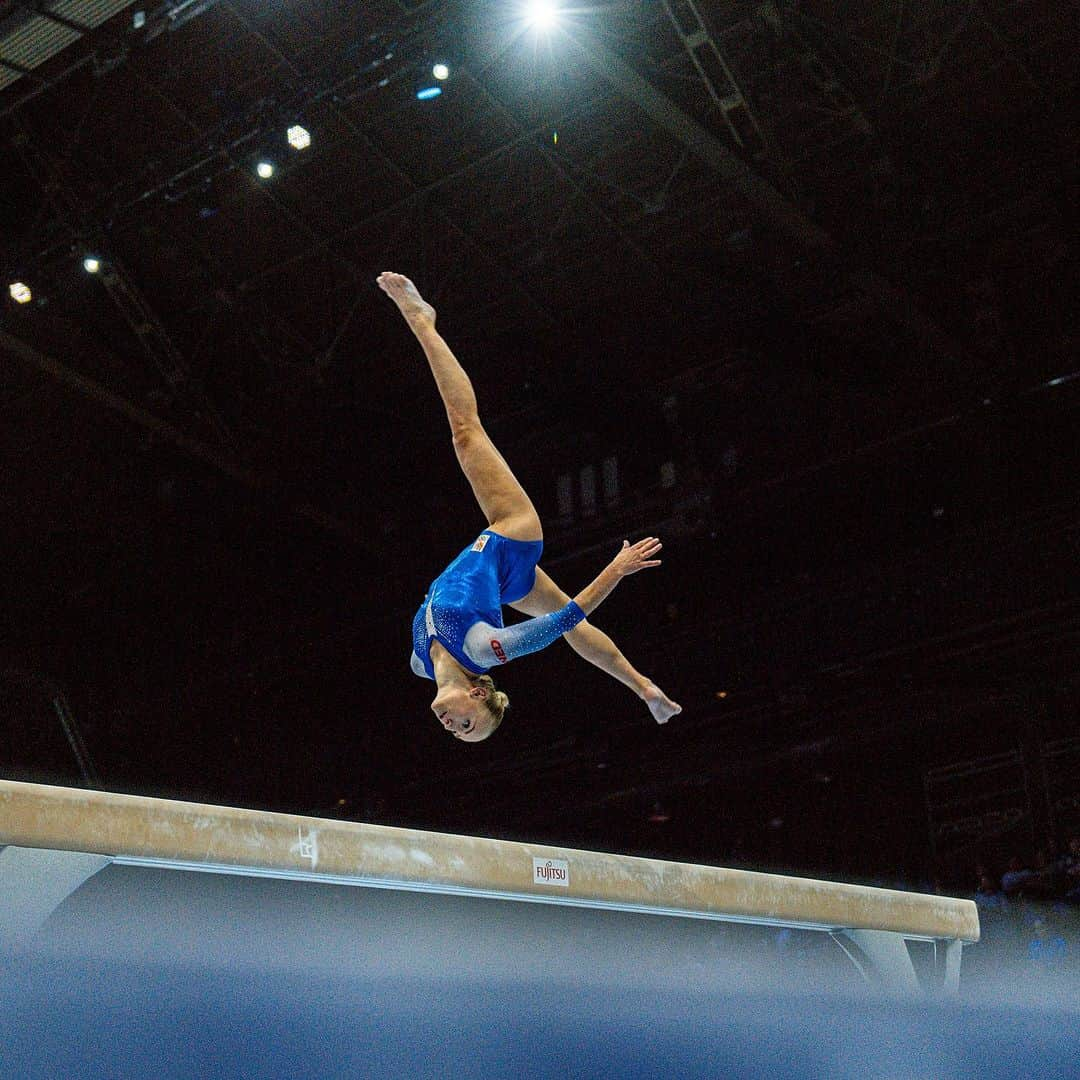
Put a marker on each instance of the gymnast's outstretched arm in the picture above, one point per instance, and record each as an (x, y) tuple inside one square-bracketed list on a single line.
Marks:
[(592, 644)]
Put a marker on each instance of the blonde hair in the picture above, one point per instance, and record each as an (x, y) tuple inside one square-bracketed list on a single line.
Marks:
[(496, 701)]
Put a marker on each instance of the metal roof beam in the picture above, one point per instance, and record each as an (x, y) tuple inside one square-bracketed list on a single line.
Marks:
[(758, 191), (19, 69), (556, 163), (140, 317), (406, 201), (40, 8), (373, 147), (263, 483)]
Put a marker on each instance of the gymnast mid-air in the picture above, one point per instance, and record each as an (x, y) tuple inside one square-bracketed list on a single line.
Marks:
[(458, 633)]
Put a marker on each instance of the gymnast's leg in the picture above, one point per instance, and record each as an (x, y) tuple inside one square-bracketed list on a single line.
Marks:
[(508, 510), (595, 646)]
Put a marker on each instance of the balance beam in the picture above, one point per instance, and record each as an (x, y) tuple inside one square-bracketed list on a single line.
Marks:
[(54, 839)]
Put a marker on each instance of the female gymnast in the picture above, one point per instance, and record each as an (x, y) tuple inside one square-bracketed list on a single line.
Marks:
[(458, 633)]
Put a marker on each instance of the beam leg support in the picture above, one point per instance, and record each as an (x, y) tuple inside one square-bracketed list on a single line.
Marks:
[(884, 960), (34, 882), (953, 951)]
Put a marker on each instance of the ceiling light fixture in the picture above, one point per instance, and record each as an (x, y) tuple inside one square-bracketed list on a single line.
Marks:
[(299, 137), (543, 14)]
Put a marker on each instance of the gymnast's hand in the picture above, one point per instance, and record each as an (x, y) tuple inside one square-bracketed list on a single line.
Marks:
[(635, 557), (631, 559)]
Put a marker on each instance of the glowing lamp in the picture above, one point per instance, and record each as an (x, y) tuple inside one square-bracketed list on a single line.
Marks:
[(299, 137), (543, 14)]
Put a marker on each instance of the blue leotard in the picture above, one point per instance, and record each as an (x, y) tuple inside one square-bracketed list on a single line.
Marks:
[(462, 609)]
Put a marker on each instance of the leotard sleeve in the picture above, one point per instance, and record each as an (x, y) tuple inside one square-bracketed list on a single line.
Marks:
[(488, 646)]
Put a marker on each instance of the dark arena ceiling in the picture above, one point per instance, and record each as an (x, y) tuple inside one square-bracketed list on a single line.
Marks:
[(804, 270)]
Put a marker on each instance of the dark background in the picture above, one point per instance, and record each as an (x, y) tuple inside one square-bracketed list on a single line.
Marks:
[(835, 296)]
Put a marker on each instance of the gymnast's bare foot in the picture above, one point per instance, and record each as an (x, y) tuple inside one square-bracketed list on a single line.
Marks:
[(660, 705), (404, 293)]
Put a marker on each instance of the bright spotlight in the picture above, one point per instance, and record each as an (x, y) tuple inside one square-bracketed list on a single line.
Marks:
[(543, 14), (265, 169), (20, 293), (91, 265), (299, 138), (441, 71), (428, 92)]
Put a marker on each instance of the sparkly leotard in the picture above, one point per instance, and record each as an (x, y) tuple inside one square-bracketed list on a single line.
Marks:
[(463, 608)]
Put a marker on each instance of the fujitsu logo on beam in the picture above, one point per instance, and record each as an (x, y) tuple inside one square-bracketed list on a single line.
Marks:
[(551, 872)]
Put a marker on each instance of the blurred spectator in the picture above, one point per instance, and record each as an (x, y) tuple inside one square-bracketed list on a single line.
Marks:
[(1046, 943), (1029, 919), (1040, 885), (1015, 878), (988, 896), (1068, 867)]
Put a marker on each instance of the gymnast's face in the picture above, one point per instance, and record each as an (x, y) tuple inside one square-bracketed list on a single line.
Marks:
[(463, 713)]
